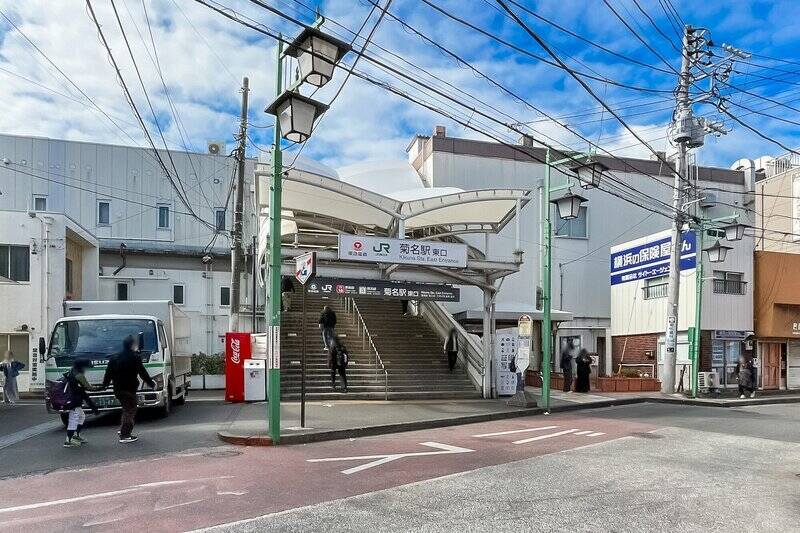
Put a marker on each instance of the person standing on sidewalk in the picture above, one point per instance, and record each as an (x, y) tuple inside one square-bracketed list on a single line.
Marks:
[(337, 362), (746, 374), (124, 371), (287, 288), (10, 368), (327, 321), (566, 367), (584, 362)]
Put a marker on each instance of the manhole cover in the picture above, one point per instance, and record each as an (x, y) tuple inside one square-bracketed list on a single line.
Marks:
[(222, 454), (647, 435)]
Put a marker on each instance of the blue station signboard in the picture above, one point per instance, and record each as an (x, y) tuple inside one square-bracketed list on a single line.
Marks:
[(651, 259)]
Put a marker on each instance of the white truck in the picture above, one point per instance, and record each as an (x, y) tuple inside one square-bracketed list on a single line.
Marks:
[(94, 330)]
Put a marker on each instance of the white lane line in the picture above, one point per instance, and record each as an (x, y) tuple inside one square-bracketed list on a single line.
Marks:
[(583, 432), (377, 460), (27, 433), (595, 434), (515, 431), (548, 436)]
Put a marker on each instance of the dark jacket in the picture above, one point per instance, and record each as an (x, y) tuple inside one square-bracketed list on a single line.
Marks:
[(287, 285), (11, 370), (746, 374), (566, 361), (451, 343), (338, 356), (80, 387), (327, 319), (124, 371)]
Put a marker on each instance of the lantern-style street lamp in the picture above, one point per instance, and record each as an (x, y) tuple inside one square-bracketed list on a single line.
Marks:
[(734, 232), (317, 53), (296, 115), (717, 252), (589, 173), (569, 205)]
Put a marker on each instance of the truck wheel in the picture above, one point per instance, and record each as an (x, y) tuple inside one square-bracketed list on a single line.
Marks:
[(65, 419), (166, 409), (182, 399)]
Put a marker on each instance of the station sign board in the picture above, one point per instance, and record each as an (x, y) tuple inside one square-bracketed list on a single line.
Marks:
[(399, 290), (651, 258), (402, 251)]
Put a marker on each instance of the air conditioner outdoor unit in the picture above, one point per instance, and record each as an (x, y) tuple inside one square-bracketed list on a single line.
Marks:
[(707, 380), (216, 147), (709, 199)]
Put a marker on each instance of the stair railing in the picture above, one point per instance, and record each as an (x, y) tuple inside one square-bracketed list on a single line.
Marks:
[(366, 339), (470, 353)]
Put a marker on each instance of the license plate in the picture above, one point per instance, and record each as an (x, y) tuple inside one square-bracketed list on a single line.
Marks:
[(105, 403)]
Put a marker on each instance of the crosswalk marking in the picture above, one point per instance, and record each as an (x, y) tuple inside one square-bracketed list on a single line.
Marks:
[(595, 434), (583, 432), (548, 436), (515, 431)]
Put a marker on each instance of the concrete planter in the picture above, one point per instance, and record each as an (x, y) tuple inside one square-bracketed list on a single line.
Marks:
[(208, 381)]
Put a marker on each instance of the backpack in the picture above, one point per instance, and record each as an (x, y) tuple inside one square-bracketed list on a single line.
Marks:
[(341, 357), (63, 394)]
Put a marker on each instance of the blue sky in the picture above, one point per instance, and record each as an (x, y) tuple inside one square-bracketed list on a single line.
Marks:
[(203, 57)]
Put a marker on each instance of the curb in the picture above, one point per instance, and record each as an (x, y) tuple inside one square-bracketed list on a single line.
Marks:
[(724, 403), (368, 431)]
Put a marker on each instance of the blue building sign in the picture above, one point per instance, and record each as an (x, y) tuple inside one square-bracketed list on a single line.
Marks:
[(651, 259)]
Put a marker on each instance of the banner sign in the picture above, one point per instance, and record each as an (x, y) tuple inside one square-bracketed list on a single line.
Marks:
[(651, 259), (402, 251), (400, 290), (305, 267)]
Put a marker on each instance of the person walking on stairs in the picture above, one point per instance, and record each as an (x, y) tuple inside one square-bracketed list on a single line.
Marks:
[(451, 349), (287, 288), (337, 362), (327, 321)]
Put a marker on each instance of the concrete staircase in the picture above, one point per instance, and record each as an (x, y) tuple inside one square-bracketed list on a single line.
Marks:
[(410, 350)]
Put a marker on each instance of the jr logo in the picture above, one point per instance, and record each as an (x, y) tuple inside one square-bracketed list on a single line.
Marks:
[(381, 247)]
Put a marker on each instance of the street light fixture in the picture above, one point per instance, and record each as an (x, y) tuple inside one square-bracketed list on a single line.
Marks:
[(717, 252), (734, 232), (569, 205), (590, 173), (316, 53), (296, 115)]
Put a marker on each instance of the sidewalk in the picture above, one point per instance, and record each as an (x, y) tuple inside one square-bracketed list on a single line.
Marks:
[(353, 418)]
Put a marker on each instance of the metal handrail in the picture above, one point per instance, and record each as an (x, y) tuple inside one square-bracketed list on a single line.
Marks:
[(366, 338)]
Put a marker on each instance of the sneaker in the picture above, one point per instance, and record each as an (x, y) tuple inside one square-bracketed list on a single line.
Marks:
[(126, 440), (71, 443), (79, 439), (753, 394), (741, 397)]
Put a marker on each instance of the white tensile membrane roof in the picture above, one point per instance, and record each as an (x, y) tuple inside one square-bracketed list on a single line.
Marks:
[(374, 195)]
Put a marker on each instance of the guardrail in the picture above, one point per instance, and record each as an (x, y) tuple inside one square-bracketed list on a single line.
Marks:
[(471, 351), (366, 338)]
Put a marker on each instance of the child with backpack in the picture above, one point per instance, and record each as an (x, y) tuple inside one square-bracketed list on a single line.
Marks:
[(77, 388)]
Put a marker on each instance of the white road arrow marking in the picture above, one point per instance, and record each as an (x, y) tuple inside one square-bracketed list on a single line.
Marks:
[(548, 436), (377, 460), (515, 431)]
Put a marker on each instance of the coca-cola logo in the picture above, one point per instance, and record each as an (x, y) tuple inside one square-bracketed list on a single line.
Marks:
[(235, 351)]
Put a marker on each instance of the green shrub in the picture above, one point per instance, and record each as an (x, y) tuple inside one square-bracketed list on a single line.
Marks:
[(203, 363)]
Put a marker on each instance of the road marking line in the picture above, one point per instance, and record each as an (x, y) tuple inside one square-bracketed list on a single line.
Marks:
[(583, 432), (515, 431), (595, 434), (164, 508), (548, 436), (377, 460), (27, 433)]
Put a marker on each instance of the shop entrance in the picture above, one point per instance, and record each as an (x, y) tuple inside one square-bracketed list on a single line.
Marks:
[(771, 354)]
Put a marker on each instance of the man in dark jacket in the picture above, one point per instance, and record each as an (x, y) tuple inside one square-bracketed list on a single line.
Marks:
[(337, 362), (287, 288), (124, 371), (566, 366), (327, 321), (451, 349)]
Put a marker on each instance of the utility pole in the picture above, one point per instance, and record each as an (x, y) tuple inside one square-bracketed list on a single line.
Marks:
[(237, 252)]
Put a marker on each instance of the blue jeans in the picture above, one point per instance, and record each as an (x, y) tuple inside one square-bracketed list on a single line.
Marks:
[(327, 337)]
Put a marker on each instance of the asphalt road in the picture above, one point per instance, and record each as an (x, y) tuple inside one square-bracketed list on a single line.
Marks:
[(634, 468)]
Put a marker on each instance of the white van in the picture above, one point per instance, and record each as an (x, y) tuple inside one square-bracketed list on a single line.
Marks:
[(94, 330)]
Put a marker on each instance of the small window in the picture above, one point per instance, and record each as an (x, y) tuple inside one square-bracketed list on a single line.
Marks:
[(103, 213), (122, 291), (219, 219), (574, 228), (40, 202), (177, 294), (163, 216), (655, 287), (162, 336), (729, 283), (224, 296), (15, 262)]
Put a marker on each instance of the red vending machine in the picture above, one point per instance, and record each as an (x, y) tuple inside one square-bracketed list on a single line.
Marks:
[(237, 349)]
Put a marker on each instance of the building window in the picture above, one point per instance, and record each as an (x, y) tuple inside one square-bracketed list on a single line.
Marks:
[(68, 276), (122, 291), (729, 283), (19, 346), (15, 262), (103, 213), (163, 217), (575, 228), (178, 294), (224, 296), (219, 218), (39, 202), (655, 288)]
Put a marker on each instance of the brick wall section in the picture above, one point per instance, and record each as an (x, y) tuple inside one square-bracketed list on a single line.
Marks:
[(705, 350), (634, 349)]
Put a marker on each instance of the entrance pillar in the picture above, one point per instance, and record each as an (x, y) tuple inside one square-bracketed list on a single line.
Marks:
[(488, 327)]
